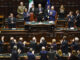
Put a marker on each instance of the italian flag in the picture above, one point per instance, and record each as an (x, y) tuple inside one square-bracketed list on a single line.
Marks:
[(30, 4)]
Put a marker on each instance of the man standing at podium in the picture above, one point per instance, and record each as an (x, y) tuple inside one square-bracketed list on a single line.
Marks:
[(11, 21), (40, 13), (52, 14)]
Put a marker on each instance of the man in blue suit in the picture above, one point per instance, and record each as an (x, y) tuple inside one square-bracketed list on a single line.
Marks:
[(43, 54), (31, 55), (11, 21), (70, 19), (52, 14)]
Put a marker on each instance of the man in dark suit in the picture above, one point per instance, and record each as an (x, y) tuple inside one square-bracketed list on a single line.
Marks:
[(11, 42), (75, 44), (14, 55), (33, 43), (42, 42), (47, 10), (32, 9), (77, 18), (51, 54), (71, 19), (11, 21), (31, 55), (20, 44), (43, 54), (1, 44), (64, 45), (24, 46), (40, 13)]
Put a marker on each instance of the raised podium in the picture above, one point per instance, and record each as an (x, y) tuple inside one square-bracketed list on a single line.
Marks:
[(37, 26)]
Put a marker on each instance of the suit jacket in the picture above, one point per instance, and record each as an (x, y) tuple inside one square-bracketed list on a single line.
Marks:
[(14, 55), (30, 56), (64, 46), (51, 55), (34, 11), (1, 46), (78, 17), (20, 45), (75, 46), (43, 55), (54, 46), (10, 20), (12, 44), (39, 11), (71, 18), (43, 43), (47, 12), (52, 17)]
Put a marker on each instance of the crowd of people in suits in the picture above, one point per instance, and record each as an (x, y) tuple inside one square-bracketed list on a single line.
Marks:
[(72, 50)]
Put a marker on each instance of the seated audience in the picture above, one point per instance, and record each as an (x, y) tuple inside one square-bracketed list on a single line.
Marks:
[(26, 15), (11, 21), (43, 54), (20, 10), (31, 55)]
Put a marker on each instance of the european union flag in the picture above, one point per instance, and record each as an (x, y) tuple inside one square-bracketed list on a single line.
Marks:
[(48, 2)]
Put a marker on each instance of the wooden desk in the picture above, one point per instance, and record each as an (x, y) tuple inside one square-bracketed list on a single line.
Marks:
[(46, 25)]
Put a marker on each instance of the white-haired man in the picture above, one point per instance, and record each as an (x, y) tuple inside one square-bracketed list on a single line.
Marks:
[(33, 43), (75, 44), (42, 42)]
